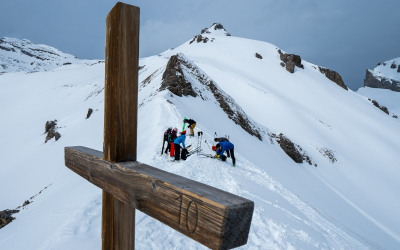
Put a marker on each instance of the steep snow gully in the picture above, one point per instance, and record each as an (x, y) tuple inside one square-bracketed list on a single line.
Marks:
[(230, 86)]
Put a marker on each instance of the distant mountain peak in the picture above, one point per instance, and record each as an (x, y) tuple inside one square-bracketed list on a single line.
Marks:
[(216, 28), (22, 55)]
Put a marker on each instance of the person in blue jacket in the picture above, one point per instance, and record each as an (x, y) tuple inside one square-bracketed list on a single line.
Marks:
[(226, 146), (177, 146)]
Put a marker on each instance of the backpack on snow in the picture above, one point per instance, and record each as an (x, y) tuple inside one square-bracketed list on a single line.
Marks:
[(223, 157)]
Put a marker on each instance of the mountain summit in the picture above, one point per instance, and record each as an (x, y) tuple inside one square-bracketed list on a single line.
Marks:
[(215, 29)]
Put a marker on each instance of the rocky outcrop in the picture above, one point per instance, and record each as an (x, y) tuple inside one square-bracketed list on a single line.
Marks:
[(333, 76), (183, 78), (294, 151), (290, 61), (50, 129), (216, 28), (199, 39), (90, 111), (173, 79), (376, 104), (6, 217), (398, 69), (328, 154), (373, 81), (258, 56)]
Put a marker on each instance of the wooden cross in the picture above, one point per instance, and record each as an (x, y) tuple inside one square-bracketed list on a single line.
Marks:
[(215, 218)]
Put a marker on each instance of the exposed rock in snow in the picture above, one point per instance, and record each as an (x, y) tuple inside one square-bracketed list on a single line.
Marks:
[(6, 217), (328, 154), (89, 113), (258, 56), (209, 33), (49, 125), (294, 151), (333, 76), (174, 80), (290, 61), (384, 75), (216, 28), (376, 104), (50, 129)]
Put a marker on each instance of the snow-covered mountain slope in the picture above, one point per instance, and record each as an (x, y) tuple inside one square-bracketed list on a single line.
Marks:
[(385, 75), (347, 203), (385, 97), (23, 55)]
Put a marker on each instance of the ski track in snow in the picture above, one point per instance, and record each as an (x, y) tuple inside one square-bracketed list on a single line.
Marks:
[(265, 232)]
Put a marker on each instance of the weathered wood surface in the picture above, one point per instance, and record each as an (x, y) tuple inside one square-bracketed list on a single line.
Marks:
[(121, 83), (215, 218), (120, 117)]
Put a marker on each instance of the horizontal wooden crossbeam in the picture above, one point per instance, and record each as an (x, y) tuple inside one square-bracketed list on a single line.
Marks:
[(215, 218)]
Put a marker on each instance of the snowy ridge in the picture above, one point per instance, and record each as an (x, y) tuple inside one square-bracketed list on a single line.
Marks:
[(22, 55)]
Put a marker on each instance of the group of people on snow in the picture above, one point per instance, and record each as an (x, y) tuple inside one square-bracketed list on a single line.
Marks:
[(174, 143)]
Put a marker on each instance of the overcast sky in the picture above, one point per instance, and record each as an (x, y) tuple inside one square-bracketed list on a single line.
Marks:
[(347, 36)]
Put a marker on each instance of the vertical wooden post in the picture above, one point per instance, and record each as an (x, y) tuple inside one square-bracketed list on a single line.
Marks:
[(120, 117)]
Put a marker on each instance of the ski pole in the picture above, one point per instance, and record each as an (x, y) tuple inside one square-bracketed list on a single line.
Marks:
[(183, 129)]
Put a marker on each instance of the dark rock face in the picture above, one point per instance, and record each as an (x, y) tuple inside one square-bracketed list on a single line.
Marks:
[(395, 116), (50, 129), (289, 148), (290, 60), (393, 66), (6, 217), (90, 111), (258, 56), (205, 30), (173, 79), (67, 63), (218, 26), (380, 82), (294, 151), (199, 39), (376, 104), (333, 76), (49, 125), (398, 69)]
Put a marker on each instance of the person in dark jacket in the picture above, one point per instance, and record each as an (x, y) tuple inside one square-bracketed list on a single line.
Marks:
[(171, 138), (222, 139), (192, 124), (225, 146), (166, 133), (177, 146)]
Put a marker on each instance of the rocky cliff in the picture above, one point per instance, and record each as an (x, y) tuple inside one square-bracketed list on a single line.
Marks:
[(385, 75)]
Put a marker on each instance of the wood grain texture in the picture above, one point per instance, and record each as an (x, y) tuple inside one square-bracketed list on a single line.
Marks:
[(215, 218), (121, 83), (120, 117)]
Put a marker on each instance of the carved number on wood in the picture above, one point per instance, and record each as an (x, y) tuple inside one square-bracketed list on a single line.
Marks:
[(187, 214)]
